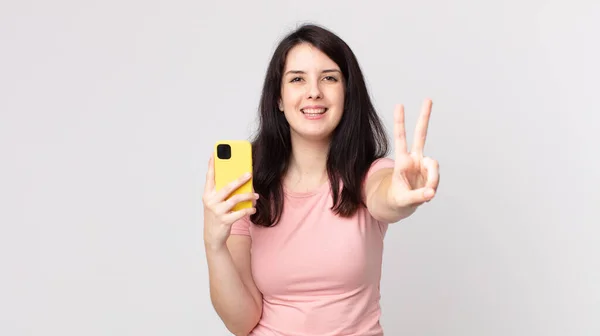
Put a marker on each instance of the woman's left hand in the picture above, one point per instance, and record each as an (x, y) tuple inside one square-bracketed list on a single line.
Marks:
[(416, 177)]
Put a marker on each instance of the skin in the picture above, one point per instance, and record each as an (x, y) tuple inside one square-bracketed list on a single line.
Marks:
[(310, 78), (394, 194)]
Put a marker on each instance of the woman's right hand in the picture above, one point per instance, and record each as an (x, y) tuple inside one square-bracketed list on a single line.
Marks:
[(218, 216)]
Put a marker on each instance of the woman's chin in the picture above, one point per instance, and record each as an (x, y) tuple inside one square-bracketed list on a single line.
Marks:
[(314, 134)]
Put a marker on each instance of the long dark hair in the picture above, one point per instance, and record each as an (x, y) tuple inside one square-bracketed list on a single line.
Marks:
[(358, 140)]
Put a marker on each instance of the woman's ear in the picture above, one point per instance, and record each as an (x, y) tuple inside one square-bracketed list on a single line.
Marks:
[(280, 105)]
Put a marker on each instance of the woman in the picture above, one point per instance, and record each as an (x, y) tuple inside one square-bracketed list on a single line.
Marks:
[(306, 260)]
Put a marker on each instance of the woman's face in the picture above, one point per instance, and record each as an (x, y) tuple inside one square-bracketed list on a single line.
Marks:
[(312, 93)]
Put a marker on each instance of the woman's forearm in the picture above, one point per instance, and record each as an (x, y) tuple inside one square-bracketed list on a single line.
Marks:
[(230, 297)]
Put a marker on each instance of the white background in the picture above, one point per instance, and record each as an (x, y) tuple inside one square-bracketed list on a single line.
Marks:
[(109, 110)]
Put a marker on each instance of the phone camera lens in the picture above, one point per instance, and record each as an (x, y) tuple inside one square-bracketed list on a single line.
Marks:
[(224, 151)]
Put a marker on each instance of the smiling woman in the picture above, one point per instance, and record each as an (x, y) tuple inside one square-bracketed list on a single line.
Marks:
[(296, 150), (307, 259), (312, 89)]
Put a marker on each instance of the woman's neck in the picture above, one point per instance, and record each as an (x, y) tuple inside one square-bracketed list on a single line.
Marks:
[(307, 169)]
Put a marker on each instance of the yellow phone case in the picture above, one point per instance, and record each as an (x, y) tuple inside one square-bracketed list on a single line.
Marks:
[(232, 159)]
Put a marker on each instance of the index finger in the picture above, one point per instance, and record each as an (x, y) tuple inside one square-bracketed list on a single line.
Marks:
[(399, 131), (232, 186), (421, 130), (210, 175)]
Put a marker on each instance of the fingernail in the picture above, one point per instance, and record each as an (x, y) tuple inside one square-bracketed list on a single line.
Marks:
[(247, 175)]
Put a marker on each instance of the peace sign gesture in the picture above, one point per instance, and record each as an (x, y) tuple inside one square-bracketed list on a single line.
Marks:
[(415, 178)]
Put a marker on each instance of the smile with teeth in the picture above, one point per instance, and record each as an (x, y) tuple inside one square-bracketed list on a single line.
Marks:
[(313, 111)]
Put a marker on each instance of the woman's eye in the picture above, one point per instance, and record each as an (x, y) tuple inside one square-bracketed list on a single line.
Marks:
[(296, 79), (331, 78)]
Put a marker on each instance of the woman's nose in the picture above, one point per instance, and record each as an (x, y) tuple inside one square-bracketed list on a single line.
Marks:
[(314, 91)]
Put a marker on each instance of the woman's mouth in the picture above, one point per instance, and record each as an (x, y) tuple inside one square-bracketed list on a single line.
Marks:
[(314, 113)]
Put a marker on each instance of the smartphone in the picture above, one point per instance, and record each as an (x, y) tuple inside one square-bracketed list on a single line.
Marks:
[(232, 159)]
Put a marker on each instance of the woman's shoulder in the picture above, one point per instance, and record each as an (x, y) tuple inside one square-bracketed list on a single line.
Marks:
[(380, 163), (241, 226)]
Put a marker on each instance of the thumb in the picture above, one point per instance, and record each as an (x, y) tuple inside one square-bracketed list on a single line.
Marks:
[(419, 196), (210, 175)]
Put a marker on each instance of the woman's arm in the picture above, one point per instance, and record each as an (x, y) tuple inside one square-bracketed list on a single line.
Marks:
[(377, 200), (395, 193), (233, 293)]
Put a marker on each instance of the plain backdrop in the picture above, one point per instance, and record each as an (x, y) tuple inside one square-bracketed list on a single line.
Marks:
[(109, 110)]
